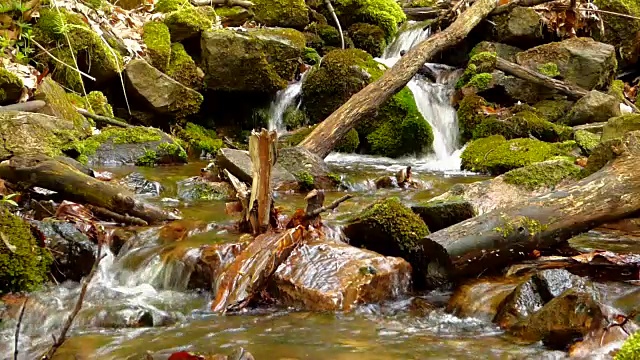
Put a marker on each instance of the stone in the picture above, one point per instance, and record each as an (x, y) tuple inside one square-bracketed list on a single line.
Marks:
[(322, 276), (580, 61), (503, 51), (196, 188), (300, 162), (159, 93), (234, 16), (593, 107), (620, 31), (442, 214), (480, 298), (210, 262), (186, 23), (256, 60), (618, 126), (10, 87), (553, 110), (544, 174), (238, 163), (138, 184), (58, 105), (522, 26), (282, 13), (586, 140), (520, 90)]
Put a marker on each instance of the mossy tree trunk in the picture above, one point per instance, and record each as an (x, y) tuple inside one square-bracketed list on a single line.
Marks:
[(328, 133), (501, 237), (51, 174)]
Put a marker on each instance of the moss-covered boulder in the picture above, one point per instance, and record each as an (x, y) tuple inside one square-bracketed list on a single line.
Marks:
[(580, 61), (10, 87), (495, 155), (234, 16), (630, 349), (391, 229), (370, 38), (323, 37), (617, 90), (386, 14), (59, 105), (553, 110), (259, 60), (167, 6), (602, 154), (186, 23), (586, 140), (517, 89), (196, 189), (503, 51), (89, 50), (522, 125), (282, 13), (183, 69), (121, 146), (522, 26), (441, 214), (593, 107), (24, 264), (350, 142), (618, 126), (199, 141), (158, 41), (159, 93), (99, 104), (546, 174), (470, 115), (619, 31)]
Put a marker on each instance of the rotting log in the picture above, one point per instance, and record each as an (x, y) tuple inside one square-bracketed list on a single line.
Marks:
[(51, 174), (491, 241), (263, 153), (365, 103), (250, 271)]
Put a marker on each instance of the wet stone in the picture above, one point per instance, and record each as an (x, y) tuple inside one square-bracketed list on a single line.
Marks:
[(421, 307), (553, 282), (197, 188), (480, 298), (137, 183), (442, 214), (211, 261), (519, 305)]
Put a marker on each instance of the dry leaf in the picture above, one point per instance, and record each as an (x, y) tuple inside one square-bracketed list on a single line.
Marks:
[(11, 248)]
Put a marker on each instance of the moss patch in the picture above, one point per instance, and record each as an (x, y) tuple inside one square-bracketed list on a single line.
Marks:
[(553, 110), (485, 62), (549, 69), (135, 135), (386, 14), (99, 104), (311, 56), (10, 87), (282, 13), (522, 125), (480, 82), (305, 181), (199, 139), (369, 38), (616, 127), (469, 115), (26, 265), (293, 118), (617, 89), (183, 69), (158, 41), (543, 174), (186, 23), (350, 143), (630, 349), (166, 6), (59, 105), (586, 140)]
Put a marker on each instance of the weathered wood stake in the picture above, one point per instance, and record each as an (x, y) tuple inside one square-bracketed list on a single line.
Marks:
[(263, 153)]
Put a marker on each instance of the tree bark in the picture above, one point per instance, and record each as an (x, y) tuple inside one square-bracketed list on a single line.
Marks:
[(572, 91), (363, 104), (498, 238), (262, 150), (51, 174)]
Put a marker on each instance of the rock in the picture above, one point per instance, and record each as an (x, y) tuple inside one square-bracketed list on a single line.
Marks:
[(26, 133), (159, 93), (212, 259), (59, 106), (369, 38), (385, 182), (595, 106), (553, 110), (618, 126), (137, 183), (186, 23), (420, 307), (520, 90), (99, 104), (199, 140), (523, 124), (227, 55), (480, 298), (522, 26), (137, 145), (495, 155), (234, 16), (302, 164), (586, 140), (595, 128), (10, 87), (196, 188), (619, 31), (158, 41), (324, 276), (580, 61), (126, 317), (504, 51), (183, 69), (391, 229), (553, 282), (238, 163), (442, 214), (545, 174), (602, 154), (283, 13)]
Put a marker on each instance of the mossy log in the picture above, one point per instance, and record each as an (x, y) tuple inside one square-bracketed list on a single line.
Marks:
[(488, 242), (362, 105), (51, 174)]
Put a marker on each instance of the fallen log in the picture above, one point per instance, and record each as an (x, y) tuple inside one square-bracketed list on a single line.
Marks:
[(230, 3), (103, 119), (249, 272), (489, 242), (363, 104), (51, 174)]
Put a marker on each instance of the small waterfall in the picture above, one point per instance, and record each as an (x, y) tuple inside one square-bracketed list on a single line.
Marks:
[(284, 98)]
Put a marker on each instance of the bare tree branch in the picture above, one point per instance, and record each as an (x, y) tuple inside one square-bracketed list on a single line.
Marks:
[(17, 335)]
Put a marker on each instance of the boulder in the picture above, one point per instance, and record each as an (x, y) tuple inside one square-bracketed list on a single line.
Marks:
[(58, 105), (187, 22), (553, 110), (619, 31), (159, 93), (157, 38), (238, 163), (604, 152), (523, 124), (370, 38), (183, 69), (282, 13), (196, 188), (73, 252), (438, 215), (323, 276), (257, 60), (618, 126), (119, 146), (391, 229), (520, 90), (586, 140), (10, 87), (579, 61), (543, 175), (302, 164), (593, 107), (234, 16), (480, 298), (138, 184), (522, 26), (503, 51)]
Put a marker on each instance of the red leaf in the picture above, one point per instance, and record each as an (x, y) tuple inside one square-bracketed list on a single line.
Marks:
[(185, 355)]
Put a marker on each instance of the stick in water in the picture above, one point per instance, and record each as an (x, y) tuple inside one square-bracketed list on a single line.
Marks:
[(17, 335), (331, 206)]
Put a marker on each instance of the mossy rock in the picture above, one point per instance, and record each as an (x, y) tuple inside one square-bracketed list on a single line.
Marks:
[(616, 127), (259, 60), (586, 140), (386, 14), (595, 106), (167, 6), (438, 215), (503, 51), (99, 104), (311, 56), (199, 141), (480, 82), (522, 125), (322, 37), (10, 87), (485, 62), (120, 146), (601, 155), (470, 116), (617, 90), (350, 142), (296, 136), (369, 38), (25, 266), (158, 41), (234, 16), (495, 155), (183, 69), (198, 189), (619, 31), (91, 53), (59, 105), (630, 349), (282, 13), (186, 23), (553, 110), (293, 118), (521, 26), (546, 174)]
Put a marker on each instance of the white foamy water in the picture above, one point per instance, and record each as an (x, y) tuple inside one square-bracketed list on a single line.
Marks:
[(284, 99)]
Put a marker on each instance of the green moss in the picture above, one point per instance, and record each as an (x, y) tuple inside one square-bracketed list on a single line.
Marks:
[(10, 86), (99, 104), (329, 35), (350, 143), (470, 71), (480, 82), (601, 155), (469, 116), (616, 127), (311, 56), (282, 13), (620, 31), (485, 62), (59, 105), (543, 174), (617, 89), (630, 350), (171, 152), (553, 110), (386, 14), (135, 135), (150, 158), (166, 6), (549, 69), (186, 23), (183, 69), (305, 180), (26, 265), (299, 135), (522, 125), (158, 41), (495, 155), (369, 38), (586, 140), (77, 100), (199, 139), (293, 118), (519, 225)]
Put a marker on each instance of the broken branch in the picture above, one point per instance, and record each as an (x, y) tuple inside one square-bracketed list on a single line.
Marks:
[(331, 206), (103, 119)]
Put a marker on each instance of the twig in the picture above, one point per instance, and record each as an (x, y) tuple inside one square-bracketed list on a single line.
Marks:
[(335, 18), (104, 119), (17, 335), (62, 62), (611, 13), (331, 206), (67, 325), (124, 219)]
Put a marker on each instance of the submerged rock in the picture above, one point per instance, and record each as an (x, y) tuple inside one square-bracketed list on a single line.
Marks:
[(618, 126), (238, 163), (137, 183), (442, 214), (196, 188), (480, 298), (323, 276), (593, 107)]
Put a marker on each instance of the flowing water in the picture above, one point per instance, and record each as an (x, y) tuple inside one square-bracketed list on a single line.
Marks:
[(283, 100)]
